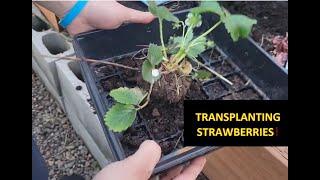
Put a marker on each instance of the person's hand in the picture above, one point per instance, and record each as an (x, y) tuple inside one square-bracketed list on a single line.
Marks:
[(140, 165), (106, 15), (189, 172), (98, 15)]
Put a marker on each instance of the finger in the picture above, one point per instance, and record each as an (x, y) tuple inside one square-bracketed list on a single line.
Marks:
[(172, 173), (193, 170), (135, 16), (145, 159)]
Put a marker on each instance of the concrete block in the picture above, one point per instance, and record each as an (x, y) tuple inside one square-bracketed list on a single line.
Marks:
[(85, 136), (36, 68), (39, 25), (75, 95), (49, 43)]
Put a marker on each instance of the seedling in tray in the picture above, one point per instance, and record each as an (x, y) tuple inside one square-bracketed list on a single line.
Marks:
[(170, 66)]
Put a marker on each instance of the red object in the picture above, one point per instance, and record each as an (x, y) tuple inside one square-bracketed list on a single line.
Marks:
[(280, 51)]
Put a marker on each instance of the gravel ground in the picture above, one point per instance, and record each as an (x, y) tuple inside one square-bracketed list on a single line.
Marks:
[(64, 152)]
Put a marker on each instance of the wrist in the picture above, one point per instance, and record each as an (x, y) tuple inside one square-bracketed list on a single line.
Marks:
[(72, 14), (65, 8)]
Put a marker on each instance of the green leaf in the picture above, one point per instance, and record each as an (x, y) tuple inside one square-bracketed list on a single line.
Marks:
[(210, 44), (120, 117), (147, 72), (193, 20), (208, 6), (174, 44), (152, 7), (172, 49), (164, 13), (176, 25), (196, 47), (177, 40), (161, 12), (126, 95), (239, 26), (202, 75), (155, 54)]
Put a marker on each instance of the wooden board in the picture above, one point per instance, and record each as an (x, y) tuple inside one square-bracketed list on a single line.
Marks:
[(230, 163), (51, 17)]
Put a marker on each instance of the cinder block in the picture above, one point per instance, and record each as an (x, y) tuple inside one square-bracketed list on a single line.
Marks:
[(47, 83), (39, 24), (85, 136), (49, 43), (75, 95)]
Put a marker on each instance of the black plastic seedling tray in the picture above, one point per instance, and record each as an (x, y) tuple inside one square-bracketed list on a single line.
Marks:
[(244, 60)]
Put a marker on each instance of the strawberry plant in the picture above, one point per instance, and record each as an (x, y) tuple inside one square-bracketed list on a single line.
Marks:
[(174, 60)]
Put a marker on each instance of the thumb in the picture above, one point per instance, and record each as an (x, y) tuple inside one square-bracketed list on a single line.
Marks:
[(144, 160), (138, 166), (135, 16)]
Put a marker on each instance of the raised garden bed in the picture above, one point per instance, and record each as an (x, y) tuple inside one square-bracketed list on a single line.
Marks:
[(245, 64)]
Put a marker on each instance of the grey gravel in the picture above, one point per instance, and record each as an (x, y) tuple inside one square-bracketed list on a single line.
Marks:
[(64, 152)]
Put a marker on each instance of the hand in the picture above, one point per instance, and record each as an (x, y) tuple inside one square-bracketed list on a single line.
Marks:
[(106, 15), (190, 172), (98, 15), (140, 165)]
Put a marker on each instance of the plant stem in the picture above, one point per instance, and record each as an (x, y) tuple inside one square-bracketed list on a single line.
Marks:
[(212, 71), (161, 38), (148, 98), (178, 140), (187, 33), (177, 58), (183, 27), (191, 45), (181, 50), (208, 31), (96, 61), (182, 56)]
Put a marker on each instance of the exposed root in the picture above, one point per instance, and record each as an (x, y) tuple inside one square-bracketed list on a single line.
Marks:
[(138, 52), (95, 61)]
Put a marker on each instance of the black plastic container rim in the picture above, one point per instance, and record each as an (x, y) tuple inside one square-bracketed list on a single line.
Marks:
[(91, 86), (167, 163)]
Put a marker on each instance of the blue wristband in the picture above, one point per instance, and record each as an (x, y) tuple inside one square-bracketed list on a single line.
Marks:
[(73, 13)]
